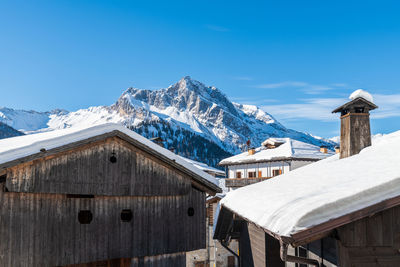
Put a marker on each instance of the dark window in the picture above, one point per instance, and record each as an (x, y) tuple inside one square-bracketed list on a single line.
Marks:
[(113, 159), (3, 178), (231, 261), (276, 172), (252, 174), (126, 215), (85, 216), (190, 211), (359, 109), (238, 174), (302, 252)]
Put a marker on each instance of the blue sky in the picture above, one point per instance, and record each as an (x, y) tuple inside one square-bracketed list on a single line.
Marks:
[(296, 59)]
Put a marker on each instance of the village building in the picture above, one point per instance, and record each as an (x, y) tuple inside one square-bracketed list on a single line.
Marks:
[(341, 211), (98, 196), (274, 157)]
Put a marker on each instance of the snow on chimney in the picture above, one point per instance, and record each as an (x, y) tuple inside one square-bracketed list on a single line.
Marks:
[(355, 130)]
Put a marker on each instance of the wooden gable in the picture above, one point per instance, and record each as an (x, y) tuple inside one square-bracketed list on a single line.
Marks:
[(107, 198), (107, 167)]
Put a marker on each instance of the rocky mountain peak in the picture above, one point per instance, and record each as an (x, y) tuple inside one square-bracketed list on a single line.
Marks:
[(198, 121)]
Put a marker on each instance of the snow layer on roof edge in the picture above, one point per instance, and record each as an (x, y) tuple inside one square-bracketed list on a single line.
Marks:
[(290, 148), (21, 146), (321, 191)]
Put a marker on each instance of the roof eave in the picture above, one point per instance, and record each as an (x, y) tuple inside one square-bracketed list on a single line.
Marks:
[(322, 230), (306, 236), (339, 109)]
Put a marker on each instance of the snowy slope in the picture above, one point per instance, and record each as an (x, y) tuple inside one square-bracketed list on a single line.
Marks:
[(198, 121), (24, 120)]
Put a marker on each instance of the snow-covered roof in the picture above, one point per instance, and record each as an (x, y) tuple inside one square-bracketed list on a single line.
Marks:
[(289, 149), (322, 191), (204, 167), (363, 94), (23, 146)]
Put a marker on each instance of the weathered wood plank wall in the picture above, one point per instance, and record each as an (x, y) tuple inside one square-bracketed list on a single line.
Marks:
[(355, 133), (257, 243), (257, 248), (43, 229), (39, 217), (90, 170), (372, 241), (166, 260)]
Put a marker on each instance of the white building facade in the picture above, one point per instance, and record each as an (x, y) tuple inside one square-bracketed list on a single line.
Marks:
[(274, 157)]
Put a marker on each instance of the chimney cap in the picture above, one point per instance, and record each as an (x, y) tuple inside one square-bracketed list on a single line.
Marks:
[(356, 102)]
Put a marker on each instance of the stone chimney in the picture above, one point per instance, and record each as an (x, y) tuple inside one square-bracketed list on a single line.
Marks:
[(355, 131)]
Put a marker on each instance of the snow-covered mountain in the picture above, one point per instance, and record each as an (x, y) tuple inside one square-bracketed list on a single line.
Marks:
[(7, 131), (196, 120), (28, 120)]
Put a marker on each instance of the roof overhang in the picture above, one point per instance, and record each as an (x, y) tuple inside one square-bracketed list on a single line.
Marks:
[(308, 235), (371, 105)]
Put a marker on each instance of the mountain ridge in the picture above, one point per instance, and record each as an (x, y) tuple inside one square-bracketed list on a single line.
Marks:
[(195, 120)]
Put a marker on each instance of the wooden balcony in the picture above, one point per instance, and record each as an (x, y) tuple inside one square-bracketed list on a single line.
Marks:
[(239, 182)]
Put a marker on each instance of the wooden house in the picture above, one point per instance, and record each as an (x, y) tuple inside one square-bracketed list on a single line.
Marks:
[(98, 196), (342, 211), (274, 157)]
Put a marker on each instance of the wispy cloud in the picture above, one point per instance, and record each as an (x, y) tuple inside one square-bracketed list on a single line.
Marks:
[(307, 88), (320, 108), (340, 84), (314, 108), (389, 106), (217, 28)]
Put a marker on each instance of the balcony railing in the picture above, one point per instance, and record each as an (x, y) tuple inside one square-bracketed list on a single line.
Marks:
[(239, 182)]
